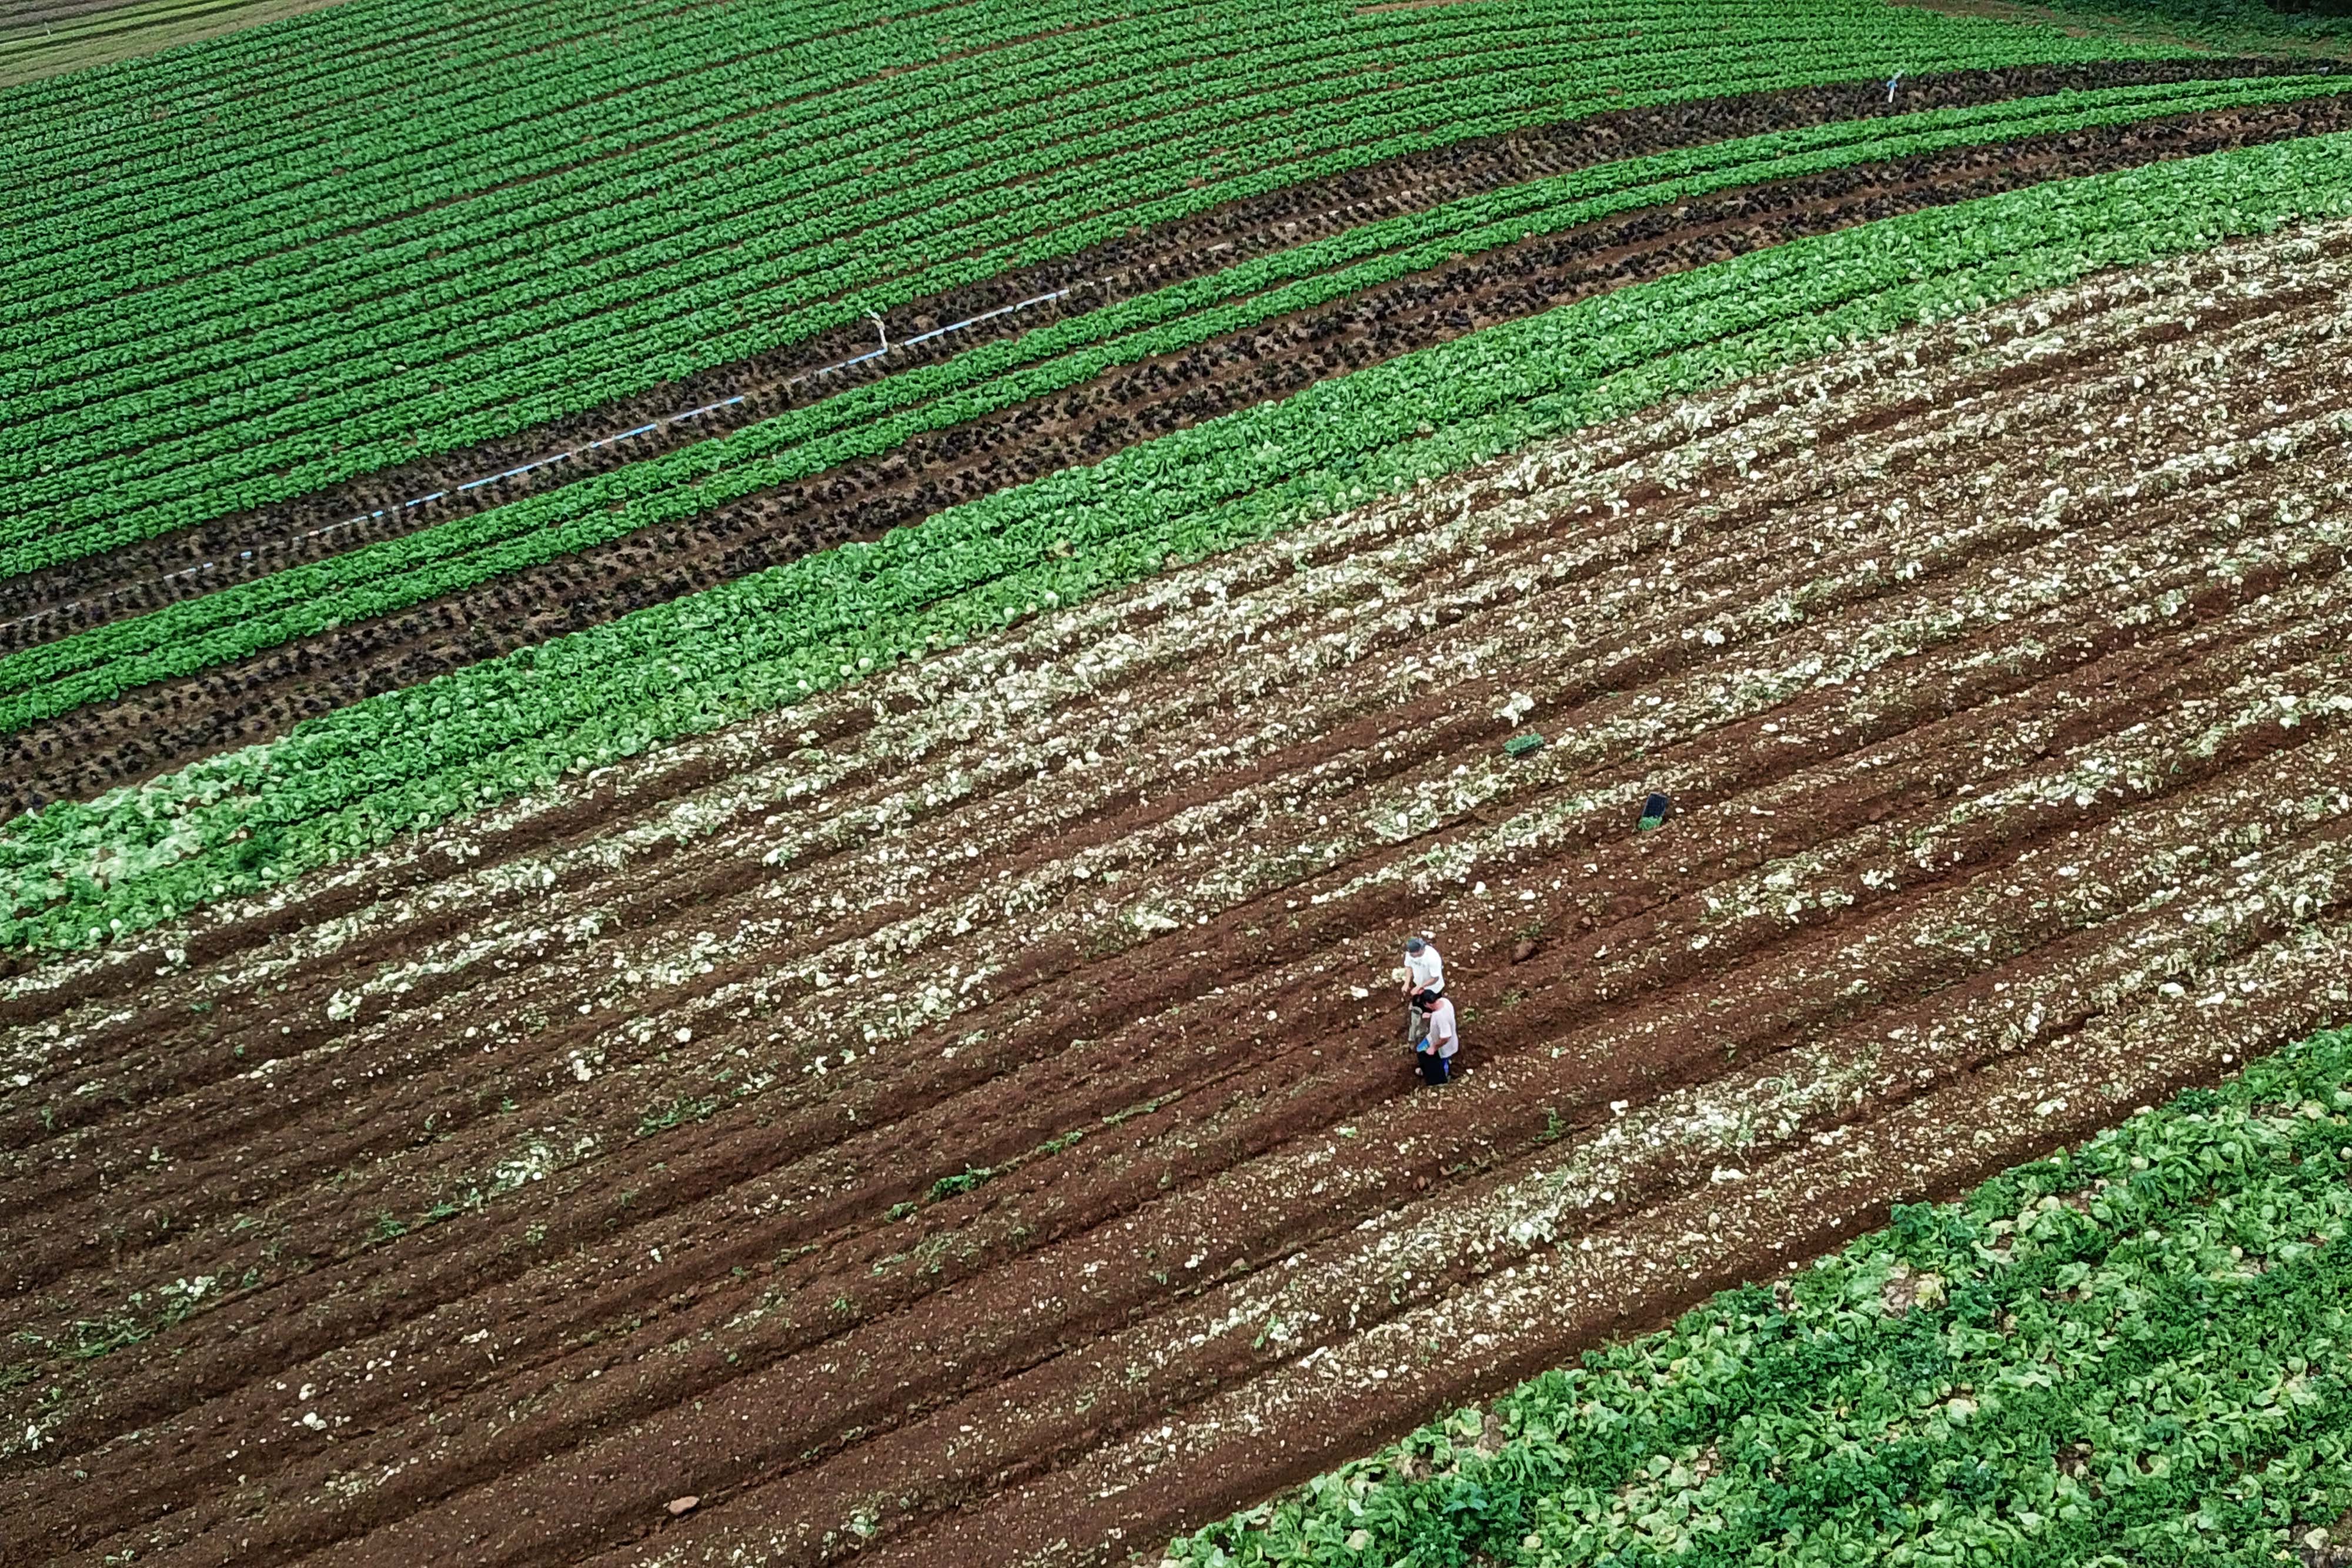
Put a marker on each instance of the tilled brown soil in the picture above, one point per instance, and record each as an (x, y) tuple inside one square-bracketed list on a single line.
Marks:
[(80, 754), (963, 1119)]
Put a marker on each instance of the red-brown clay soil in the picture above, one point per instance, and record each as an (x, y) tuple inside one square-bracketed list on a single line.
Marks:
[(158, 728), (964, 1120)]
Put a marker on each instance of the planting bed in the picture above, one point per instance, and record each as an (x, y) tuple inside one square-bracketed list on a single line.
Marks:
[(2115, 1354), (963, 1118)]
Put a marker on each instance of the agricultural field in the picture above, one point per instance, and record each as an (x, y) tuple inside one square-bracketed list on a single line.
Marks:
[(720, 723)]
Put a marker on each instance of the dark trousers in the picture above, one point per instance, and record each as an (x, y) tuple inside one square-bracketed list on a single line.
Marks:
[(1434, 1069), (1416, 1015)]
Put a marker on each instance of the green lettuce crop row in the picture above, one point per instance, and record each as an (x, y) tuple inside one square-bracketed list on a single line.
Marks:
[(629, 148), (56, 127), (541, 126), (2226, 24), (587, 224), (503, 361), (251, 432), (2133, 1352), (279, 428), (385, 577), (109, 109), (496, 95), (947, 105), (613, 220), (147, 27), (337, 785)]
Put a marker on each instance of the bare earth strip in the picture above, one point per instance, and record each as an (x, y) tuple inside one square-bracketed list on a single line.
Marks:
[(963, 1119)]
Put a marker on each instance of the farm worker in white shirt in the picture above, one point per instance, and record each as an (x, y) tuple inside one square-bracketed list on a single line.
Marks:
[(1437, 1053), (1424, 982)]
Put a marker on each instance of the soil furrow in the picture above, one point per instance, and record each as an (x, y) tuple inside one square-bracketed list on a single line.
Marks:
[(326, 1148), (1577, 1095), (1243, 1226), (156, 1026), (329, 903), (721, 1440), (1281, 1429), (1994, 673)]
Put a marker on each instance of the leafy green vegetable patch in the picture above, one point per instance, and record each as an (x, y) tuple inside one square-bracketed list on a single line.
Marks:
[(351, 266), (2130, 1353)]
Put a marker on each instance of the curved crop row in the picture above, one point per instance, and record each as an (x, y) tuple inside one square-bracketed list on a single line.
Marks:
[(236, 621), (266, 81), (374, 399), (502, 101), (358, 776), (1037, 749), (842, 148), (382, 393), (595, 220), (74, 108), (725, 102), (485, 101), (547, 375), (876, 222)]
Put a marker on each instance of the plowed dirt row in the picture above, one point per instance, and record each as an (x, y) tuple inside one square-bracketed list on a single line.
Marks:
[(965, 1119), (159, 727)]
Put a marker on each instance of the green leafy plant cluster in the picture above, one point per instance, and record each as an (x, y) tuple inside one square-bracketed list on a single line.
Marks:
[(374, 45), (349, 781), (539, 231), (956, 1185), (2132, 1354), (195, 634), (2227, 24)]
